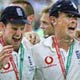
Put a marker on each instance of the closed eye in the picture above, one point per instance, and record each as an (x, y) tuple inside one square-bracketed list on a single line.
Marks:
[(14, 28)]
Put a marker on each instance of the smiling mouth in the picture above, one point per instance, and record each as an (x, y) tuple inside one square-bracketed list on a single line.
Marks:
[(71, 28), (16, 40)]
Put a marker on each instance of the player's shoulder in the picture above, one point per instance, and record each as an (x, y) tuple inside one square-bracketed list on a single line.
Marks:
[(43, 43)]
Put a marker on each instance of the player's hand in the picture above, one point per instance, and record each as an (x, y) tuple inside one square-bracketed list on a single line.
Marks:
[(33, 37), (5, 54)]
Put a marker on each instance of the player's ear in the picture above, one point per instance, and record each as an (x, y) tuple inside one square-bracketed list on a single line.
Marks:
[(2, 27), (53, 20)]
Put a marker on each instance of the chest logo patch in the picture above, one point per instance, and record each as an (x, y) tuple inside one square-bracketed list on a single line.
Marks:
[(7, 66), (48, 60)]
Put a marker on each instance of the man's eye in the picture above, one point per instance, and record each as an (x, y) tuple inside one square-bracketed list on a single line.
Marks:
[(70, 15), (22, 28), (14, 28)]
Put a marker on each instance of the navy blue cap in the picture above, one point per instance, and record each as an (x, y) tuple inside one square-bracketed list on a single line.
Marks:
[(14, 14), (64, 6)]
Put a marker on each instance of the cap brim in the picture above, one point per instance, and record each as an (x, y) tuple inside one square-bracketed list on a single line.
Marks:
[(20, 21), (73, 13)]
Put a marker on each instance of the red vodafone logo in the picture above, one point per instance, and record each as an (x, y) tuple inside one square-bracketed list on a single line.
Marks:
[(7, 66), (49, 60)]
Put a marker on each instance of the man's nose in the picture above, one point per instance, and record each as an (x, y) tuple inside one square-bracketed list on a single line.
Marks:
[(18, 33), (42, 26)]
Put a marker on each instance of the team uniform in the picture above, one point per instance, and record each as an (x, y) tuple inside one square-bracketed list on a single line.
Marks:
[(74, 71), (48, 65), (28, 68)]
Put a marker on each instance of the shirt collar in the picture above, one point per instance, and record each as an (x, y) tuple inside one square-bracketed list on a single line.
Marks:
[(48, 42)]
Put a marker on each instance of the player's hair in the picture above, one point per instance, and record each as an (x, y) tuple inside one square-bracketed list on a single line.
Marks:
[(28, 8)]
